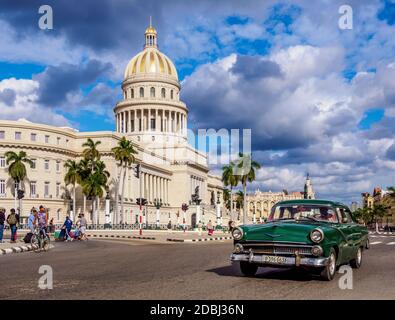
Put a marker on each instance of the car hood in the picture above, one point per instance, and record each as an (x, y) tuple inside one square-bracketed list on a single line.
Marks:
[(289, 231)]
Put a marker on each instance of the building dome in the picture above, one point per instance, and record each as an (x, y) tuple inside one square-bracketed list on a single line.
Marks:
[(150, 61)]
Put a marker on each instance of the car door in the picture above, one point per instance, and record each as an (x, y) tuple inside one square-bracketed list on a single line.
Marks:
[(346, 229)]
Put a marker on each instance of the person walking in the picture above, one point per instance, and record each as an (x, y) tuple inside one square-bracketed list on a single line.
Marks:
[(41, 221), (31, 219), (210, 228), (13, 220), (2, 220), (67, 225), (82, 223)]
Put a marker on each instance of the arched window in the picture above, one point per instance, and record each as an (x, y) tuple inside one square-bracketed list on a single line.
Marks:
[(141, 92), (171, 94), (132, 93), (152, 92), (163, 94)]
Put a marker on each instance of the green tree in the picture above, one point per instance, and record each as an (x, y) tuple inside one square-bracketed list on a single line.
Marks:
[(378, 212), (227, 199), (391, 191), (91, 153), (72, 177), (17, 170), (95, 185), (364, 215), (231, 180), (124, 153), (246, 169)]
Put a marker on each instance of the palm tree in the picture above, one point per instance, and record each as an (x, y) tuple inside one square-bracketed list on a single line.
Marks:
[(239, 199), (246, 169), (17, 169), (84, 170), (230, 179), (91, 153), (94, 185), (391, 191), (124, 153), (72, 177), (226, 197)]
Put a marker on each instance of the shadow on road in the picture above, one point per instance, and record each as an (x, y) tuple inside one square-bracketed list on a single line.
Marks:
[(292, 274)]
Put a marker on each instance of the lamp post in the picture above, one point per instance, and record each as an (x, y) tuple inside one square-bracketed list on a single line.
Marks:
[(184, 209), (218, 210), (158, 204)]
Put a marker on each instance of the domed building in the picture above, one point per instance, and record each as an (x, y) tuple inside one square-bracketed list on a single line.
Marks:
[(154, 118)]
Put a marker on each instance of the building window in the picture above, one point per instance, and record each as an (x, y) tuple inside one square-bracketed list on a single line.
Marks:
[(132, 125), (57, 166), (34, 163), (46, 139), (153, 127), (152, 92), (132, 93), (171, 94), (163, 93), (2, 187), (141, 92), (33, 137), (18, 135), (2, 134), (46, 164), (58, 140), (2, 162), (33, 189), (57, 190), (46, 190)]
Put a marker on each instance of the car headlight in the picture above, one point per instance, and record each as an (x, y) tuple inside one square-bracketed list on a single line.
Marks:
[(237, 233), (238, 248), (316, 235)]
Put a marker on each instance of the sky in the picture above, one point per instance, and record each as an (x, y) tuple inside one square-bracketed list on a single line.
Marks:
[(317, 98)]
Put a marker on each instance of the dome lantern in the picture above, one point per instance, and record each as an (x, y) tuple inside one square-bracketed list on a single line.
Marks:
[(150, 35)]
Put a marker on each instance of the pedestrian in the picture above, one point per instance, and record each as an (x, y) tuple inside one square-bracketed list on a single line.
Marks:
[(31, 219), (51, 226), (200, 227), (67, 225), (2, 220), (13, 221), (210, 228), (82, 223), (169, 225)]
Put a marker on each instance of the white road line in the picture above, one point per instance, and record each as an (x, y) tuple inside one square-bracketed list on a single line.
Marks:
[(390, 243), (376, 242)]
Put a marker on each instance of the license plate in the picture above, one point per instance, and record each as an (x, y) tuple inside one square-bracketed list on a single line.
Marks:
[(274, 259)]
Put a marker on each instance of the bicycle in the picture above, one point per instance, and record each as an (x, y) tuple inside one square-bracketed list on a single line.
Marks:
[(39, 242)]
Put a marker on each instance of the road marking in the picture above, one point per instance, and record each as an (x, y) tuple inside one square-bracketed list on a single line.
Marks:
[(376, 242), (390, 243)]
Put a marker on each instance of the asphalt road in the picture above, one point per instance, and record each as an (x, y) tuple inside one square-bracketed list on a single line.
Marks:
[(113, 269)]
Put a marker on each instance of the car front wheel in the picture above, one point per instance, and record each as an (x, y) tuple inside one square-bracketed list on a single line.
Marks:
[(328, 273), (248, 269), (357, 261)]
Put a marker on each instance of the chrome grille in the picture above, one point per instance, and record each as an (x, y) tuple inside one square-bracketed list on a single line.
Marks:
[(278, 249)]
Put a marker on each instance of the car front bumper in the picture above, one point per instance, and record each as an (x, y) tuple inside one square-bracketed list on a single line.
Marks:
[(285, 260)]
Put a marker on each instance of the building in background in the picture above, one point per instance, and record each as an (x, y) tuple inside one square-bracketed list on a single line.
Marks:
[(154, 118)]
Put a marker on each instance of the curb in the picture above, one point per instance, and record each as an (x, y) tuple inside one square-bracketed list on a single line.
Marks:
[(200, 240), (18, 249), (120, 237)]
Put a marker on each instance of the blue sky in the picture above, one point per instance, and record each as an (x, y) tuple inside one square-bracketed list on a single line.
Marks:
[(317, 98)]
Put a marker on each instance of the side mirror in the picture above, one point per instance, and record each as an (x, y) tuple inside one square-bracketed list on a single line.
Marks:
[(344, 220)]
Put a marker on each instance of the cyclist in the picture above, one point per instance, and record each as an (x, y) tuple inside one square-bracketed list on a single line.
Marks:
[(41, 221)]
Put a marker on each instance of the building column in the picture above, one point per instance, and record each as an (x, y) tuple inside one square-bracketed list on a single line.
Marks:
[(168, 120), (135, 120), (149, 119)]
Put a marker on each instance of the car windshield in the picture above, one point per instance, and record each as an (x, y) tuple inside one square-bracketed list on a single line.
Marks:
[(303, 212)]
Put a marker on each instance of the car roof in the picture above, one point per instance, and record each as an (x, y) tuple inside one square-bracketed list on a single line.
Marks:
[(310, 201)]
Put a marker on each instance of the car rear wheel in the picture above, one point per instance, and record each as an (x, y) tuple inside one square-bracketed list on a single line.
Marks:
[(367, 245), (328, 273), (357, 261), (248, 269)]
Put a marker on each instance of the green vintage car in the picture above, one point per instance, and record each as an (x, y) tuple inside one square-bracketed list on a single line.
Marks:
[(317, 235)]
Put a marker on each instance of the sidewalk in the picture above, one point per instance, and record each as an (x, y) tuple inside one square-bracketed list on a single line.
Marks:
[(160, 235), (19, 246)]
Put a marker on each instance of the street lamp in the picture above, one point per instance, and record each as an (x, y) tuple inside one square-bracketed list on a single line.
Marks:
[(158, 204), (184, 209)]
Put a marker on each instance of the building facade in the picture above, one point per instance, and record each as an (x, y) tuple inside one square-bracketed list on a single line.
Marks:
[(154, 118)]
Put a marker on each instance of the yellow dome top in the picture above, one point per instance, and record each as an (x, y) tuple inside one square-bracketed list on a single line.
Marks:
[(151, 60)]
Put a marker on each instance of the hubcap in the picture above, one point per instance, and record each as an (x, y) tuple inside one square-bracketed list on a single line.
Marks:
[(359, 256), (332, 264)]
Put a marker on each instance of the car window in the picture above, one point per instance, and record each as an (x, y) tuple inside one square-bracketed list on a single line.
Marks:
[(344, 213)]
